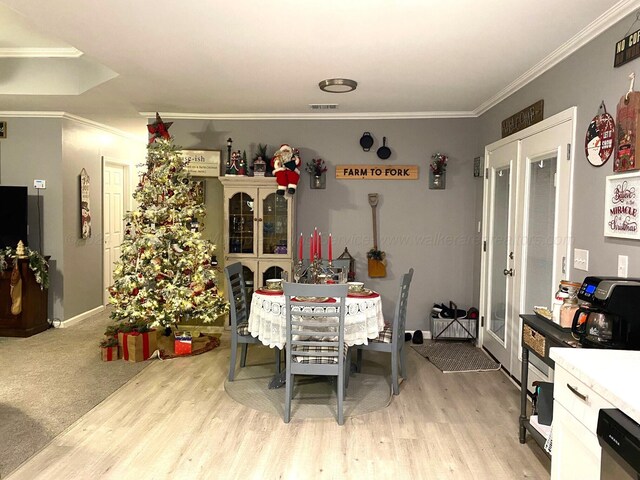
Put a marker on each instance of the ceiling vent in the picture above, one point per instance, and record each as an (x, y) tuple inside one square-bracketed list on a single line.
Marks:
[(323, 106)]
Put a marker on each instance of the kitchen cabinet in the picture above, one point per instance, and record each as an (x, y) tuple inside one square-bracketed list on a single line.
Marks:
[(576, 452), (258, 228)]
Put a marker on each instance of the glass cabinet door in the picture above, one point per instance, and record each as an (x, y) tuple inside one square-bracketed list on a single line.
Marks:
[(274, 272), (274, 225), (241, 220)]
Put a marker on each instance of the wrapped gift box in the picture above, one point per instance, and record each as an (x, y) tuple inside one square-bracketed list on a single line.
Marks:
[(136, 346), (183, 344), (109, 354)]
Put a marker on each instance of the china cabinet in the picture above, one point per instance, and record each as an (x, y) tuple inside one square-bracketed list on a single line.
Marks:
[(258, 228)]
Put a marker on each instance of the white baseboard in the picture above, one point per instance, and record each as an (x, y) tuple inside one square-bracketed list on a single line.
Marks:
[(78, 318)]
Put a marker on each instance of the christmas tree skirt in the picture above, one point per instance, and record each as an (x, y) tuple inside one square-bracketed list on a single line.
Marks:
[(201, 344)]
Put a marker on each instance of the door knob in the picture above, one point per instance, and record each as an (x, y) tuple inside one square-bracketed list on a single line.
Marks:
[(508, 272)]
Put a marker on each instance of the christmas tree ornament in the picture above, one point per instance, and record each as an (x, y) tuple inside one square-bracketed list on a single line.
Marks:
[(159, 129)]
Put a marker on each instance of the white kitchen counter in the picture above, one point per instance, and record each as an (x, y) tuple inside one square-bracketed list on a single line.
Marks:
[(613, 374)]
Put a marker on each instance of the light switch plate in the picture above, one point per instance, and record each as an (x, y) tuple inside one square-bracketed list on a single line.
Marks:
[(623, 266), (581, 259)]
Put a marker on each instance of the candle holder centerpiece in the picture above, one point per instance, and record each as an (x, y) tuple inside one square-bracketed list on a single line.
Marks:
[(317, 270)]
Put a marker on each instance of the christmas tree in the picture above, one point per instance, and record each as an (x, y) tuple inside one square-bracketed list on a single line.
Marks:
[(167, 271)]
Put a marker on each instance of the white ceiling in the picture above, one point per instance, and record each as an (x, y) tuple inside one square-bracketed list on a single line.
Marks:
[(250, 58)]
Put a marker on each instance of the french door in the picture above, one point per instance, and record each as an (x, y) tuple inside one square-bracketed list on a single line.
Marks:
[(526, 232)]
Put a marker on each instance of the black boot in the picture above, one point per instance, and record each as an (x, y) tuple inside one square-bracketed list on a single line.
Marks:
[(280, 192), (291, 191), (417, 337)]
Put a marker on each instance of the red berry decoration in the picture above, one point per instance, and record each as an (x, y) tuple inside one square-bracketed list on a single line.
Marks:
[(136, 291)]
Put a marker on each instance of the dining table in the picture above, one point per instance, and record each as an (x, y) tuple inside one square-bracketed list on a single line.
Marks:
[(268, 320)]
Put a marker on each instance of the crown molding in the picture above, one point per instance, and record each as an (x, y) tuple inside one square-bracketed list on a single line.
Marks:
[(55, 52), (74, 118), (591, 31), (312, 116)]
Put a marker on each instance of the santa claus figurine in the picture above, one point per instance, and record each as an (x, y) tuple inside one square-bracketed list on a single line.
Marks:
[(285, 168)]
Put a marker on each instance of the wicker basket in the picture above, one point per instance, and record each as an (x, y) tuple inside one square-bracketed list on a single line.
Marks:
[(534, 340)]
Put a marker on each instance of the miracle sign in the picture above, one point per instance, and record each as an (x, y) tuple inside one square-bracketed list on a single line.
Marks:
[(621, 206)]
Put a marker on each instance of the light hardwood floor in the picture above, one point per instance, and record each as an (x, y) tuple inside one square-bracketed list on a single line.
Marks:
[(175, 421)]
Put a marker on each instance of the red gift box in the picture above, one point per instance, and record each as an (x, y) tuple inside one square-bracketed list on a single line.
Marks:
[(183, 345), (136, 346), (109, 354)]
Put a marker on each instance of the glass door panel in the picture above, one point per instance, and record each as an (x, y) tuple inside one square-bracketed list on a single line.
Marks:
[(539, 247), (275, 234), (241, 217), (540, 207), (499, 240)]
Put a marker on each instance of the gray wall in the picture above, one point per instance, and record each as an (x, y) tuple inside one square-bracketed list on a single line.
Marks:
[(83, 146), (584, 79), (433, 231), (32, 150), (56, 150)]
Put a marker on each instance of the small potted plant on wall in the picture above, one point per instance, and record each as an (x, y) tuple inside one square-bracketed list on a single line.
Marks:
[(317, 169), (437, 171)]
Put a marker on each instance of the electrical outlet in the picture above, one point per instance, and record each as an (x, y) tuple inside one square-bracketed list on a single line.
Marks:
[(623, 266), (581, 259), (38, 184)]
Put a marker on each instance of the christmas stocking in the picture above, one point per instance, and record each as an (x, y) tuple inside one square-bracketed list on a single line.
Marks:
[(16, 291)]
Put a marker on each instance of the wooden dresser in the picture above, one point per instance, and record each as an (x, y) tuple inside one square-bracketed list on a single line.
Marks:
[(33, 318)]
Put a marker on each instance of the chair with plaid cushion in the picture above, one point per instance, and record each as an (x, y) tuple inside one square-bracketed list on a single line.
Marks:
[(391, 339), (315, 337), (239, 313)]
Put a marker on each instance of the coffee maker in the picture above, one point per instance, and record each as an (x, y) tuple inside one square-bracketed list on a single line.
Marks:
[(612, 320)]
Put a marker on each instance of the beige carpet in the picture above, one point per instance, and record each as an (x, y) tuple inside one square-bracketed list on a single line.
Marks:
[(50, 380), (314, 397)]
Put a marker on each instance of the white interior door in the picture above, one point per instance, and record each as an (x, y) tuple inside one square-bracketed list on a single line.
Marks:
[(543, 221), (526, 230), (114, 182), (500, 200)]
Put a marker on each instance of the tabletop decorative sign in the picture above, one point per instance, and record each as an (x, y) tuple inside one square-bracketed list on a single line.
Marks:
[(85, 212), (598, 142), (621, 207), (202, 163), (375, 172)]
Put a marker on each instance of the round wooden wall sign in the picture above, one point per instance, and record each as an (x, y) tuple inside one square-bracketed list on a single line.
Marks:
[(598, 143)]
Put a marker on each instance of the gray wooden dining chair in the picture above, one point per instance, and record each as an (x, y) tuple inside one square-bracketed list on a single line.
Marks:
[(315, 337), (391, 339), (239, 313)]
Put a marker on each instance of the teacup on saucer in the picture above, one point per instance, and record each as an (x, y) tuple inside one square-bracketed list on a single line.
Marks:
[(274, 284), (355, 286)]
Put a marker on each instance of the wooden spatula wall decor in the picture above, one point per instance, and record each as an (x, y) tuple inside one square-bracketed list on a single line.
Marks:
[(375, 258)]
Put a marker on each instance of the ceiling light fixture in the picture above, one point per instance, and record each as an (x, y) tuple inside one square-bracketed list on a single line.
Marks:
[(338, 85)]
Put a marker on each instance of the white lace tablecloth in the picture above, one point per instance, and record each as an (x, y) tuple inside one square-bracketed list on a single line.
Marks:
[(268, 322)]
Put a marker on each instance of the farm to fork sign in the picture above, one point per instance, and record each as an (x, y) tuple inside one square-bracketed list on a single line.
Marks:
[(621, 210), (376, 172)]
